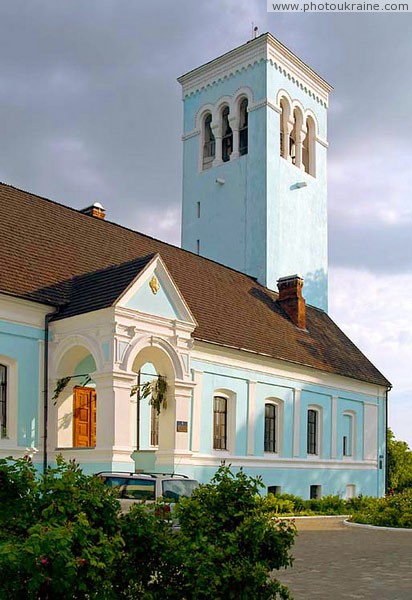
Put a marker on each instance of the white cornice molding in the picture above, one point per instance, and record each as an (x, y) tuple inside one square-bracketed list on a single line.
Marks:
[(258, 363), (264, 48), (263, 103), (23, 312)]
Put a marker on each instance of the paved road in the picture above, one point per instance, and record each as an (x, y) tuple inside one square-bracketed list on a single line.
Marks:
[(334, 562)]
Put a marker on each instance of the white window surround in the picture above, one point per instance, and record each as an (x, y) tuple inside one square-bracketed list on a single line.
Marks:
[(279, 426), (319, 432), (352, 414), (11, 399), (230, 424)]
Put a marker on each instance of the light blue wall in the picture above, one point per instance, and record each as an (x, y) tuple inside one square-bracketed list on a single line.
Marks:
[(21, 343), (258, 222), (156, 304), (293, 480)]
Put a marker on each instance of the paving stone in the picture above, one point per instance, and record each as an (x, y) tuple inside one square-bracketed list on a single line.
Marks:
[(334, 562)]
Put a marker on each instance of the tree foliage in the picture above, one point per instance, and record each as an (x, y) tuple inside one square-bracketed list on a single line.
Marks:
[(399, 464), (63, 537)]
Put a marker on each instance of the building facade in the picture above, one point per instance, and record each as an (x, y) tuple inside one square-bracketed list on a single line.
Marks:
[(248, 376)]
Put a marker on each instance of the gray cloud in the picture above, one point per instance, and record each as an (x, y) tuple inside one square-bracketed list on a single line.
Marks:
[(90, 108)]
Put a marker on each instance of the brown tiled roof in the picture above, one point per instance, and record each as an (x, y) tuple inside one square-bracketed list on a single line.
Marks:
[(57, 255)]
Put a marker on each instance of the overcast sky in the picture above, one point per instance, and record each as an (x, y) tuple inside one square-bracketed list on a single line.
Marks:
[(90, 110)]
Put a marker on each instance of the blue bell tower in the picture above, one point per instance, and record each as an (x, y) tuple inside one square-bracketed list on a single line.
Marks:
[(254, 165)]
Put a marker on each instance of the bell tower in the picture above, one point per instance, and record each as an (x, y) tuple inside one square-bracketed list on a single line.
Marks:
[(254, 165)]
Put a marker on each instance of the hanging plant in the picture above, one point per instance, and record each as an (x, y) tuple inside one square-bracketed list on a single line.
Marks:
[(155, 390), (62, 384)]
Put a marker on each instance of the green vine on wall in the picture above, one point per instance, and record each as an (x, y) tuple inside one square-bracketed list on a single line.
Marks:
[(155, 390), (63, 382)]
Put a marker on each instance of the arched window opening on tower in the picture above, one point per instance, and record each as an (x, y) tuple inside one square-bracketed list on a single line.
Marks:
[(243, 127), (227, 135), (308, 148), (284, 135), (209, 146)]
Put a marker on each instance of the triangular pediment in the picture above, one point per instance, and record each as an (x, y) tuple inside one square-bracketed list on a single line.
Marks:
[(154, 292)]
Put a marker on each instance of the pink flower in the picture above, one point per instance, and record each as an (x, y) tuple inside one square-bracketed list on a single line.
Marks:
[(44, 561)]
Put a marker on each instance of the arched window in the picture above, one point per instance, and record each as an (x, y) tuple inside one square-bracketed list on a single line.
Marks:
[(313, 437), (308, 148), (227, 135), (284, 136), (271, 427), (3, 401), (243, 127), (348, 436), (220, 423), (209, 146)]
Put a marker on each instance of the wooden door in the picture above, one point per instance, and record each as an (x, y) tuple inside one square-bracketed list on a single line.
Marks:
[(84, 417)]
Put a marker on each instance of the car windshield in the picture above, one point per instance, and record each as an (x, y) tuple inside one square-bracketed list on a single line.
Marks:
[(174, 489), (132, 488)]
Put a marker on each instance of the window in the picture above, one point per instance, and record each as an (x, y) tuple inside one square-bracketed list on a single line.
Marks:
[(276, 490), (312, 433), (209, 145), (3, 401), (284, 118), (227, 136), (243, 127), (154, 427), (348, 435), (308, 148), (198, 210), (84, 417), (270, 427), (219, 423), (315, 492)]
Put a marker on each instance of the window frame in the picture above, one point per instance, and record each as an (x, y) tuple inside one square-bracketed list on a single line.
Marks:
[(243, 131), (10, 439), (207, 160), (317, 453), (352, 441), (4, 404), (230, 398), (216, 434)]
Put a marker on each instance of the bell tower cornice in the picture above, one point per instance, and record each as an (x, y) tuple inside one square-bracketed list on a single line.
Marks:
[(264, 48)]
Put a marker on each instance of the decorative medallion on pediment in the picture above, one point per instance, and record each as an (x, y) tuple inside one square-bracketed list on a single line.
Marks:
[(154, 284)]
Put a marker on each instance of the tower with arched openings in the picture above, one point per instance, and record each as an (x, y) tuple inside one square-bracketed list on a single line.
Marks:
[(254, 165)]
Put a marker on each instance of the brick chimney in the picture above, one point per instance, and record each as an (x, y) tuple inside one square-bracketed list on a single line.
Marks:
[(95, 210), (291, 299)]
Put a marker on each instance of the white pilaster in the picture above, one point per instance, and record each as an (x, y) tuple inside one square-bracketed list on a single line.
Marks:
[(196, 410), (296, 422), (334, 428), (251, 417)]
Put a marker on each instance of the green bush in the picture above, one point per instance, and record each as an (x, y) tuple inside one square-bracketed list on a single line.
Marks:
[(63, 537), (392, 511), (230, 541)]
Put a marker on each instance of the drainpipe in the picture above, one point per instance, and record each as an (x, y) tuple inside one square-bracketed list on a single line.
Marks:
[(47, 320), (388, 389)]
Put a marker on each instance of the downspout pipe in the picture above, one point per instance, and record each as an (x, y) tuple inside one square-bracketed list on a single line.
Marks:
[(388, 389), (47, 320)]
